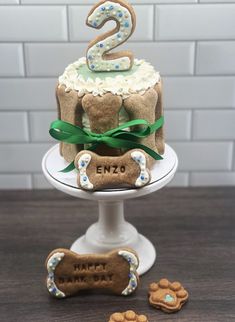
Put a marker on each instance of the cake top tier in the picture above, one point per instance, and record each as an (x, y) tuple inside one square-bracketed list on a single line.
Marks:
[(77, 76)]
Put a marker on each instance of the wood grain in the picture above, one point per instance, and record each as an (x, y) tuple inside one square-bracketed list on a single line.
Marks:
[(192, 229)]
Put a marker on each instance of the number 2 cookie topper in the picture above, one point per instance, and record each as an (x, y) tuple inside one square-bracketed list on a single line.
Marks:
[(98, 56)]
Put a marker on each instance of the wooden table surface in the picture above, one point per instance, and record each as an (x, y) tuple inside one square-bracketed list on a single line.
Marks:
[(192, 229)]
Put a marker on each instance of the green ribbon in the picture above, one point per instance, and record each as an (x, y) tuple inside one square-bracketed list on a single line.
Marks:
[(116, 138)]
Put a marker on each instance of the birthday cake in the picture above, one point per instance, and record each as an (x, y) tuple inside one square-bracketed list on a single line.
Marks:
[(110, 112)]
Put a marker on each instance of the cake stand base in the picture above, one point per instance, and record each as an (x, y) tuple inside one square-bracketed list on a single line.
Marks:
[(111, 231)]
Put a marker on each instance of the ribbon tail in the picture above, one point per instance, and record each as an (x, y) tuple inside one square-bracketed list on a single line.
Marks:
[(69, 168)]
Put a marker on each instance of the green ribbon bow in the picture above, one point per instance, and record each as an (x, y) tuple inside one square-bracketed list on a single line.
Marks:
[(115, 138)]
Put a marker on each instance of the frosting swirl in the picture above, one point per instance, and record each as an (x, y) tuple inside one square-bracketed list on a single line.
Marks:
[(136, 81)]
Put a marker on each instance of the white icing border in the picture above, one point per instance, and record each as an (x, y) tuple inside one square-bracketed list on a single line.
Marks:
[(144, 176), (52, 262), (83, 163), (138, 82), (133, 279)]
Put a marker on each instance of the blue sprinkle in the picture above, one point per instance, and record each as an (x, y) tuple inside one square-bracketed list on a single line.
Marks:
[(133, 284), (83, 164), (119, 35), (129, 260), (111, 8), (117, 66), (102, 8), (95, 24), (92, 66), (126, 24), (130, 276), (120, 15), (54, 290), (90, 57), (85, 179), (51, 274), (101, 45), (142, 178)]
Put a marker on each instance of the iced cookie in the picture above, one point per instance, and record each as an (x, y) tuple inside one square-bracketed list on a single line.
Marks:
[(166, 296), (98, 56), (97, 172), (69, 273), (129, 316)]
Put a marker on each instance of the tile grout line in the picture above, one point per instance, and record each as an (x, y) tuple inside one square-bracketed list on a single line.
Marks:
[(24, 60), (195, 58), (29, 127), (233, 157), (154, 23), (68, 23)]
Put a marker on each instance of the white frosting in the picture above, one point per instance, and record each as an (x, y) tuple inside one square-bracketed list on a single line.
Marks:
[(139, 81)]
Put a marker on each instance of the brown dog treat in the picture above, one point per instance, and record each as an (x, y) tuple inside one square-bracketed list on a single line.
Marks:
[(69, 273), (166, 296), (143, 107), (159, 135), (69, 110), (97, 172), (98, 56), (103, 114), (128, 316)]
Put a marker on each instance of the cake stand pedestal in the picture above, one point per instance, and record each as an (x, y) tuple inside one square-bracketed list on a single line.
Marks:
[(111, 230)]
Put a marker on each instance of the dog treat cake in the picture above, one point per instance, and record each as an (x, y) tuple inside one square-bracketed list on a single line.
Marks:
[(110, 111)]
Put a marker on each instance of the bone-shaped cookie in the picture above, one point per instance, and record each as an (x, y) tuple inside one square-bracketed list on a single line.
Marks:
[(69, 273), (98, 172)]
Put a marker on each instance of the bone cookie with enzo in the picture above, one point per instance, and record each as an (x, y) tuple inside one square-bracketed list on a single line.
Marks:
[(166, 296), (110, 103), (69, 273)]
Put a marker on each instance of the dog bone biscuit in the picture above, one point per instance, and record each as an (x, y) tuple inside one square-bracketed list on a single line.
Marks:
[(98, 172), (69, 273), (166, 296), (128, 316)]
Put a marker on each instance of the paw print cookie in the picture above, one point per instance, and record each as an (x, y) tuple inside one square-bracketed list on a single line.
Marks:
[(166, 296), (129, 316)]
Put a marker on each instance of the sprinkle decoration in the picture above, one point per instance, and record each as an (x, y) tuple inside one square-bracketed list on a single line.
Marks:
[(134, 263), (53, 261), (95, 54)]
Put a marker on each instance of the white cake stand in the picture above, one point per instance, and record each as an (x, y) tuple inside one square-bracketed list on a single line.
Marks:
[(111, 231)]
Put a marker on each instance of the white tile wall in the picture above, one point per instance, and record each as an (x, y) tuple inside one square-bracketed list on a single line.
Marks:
[(199, 92), (11, 62), (211, 156), (214, 125), (216, 57), (27, 94), (40, 124), (178, 125), (212, 179), (180, 179), (15, 181), (18, 131), (40, 182), (9, 2), (192, 44), (33, 23), (25, 158), (187, 22)]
